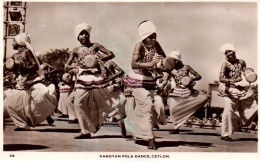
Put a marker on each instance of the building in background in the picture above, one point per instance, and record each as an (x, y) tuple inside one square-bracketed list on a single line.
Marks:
[(14, 22)]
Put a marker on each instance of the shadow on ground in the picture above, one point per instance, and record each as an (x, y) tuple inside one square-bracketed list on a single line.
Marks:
[(15, 147), (58, 130), (171, 130), (176, 143), (106, 136), (209, 134), (246, 139)]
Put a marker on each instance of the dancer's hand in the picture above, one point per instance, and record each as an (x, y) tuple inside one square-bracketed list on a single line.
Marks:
[(157, 58)]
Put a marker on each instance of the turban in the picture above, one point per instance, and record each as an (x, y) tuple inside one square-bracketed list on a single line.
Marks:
[(146, 29), (227, 46), (81, 27), (24, 39), (175, 54)]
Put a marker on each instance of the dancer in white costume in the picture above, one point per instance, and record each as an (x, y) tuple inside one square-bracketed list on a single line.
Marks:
[(141, 84), (31, 102), (92, 101), (71, 97), (183, 100), (240, 104), (116, 88), (65, 90)]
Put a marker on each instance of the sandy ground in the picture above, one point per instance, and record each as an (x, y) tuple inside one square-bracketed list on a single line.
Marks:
[(59, 138)]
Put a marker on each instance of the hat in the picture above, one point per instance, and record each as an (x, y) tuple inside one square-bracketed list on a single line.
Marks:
[(81, 27), (175, 54), (227, 46), (146, 29)]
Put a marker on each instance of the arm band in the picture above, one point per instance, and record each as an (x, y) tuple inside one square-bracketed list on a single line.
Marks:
[(138, 64)]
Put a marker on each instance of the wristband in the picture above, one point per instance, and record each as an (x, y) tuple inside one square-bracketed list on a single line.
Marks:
[(138, 65)]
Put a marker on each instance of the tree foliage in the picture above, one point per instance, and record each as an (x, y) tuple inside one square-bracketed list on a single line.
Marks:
[(57, 59)]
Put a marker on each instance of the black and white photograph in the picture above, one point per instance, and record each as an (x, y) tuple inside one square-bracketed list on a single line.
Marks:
[(122, 80)]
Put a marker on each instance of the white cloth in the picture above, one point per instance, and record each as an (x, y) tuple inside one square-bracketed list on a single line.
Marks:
[(93, 106), (181, 109), (119, 102), (138, 76), (30, 107), (227, 46), (70, 106), (62, 106), (237, 113), (159, 114), (175, 54), (81, 27), (22, 39), (146, 29), (139, 121)]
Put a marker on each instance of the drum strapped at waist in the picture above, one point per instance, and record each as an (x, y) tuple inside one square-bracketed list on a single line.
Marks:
[(186, 80), (9, 63), (90, 61), (250, 75)]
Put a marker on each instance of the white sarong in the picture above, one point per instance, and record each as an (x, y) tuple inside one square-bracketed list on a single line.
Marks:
[(237, 113), (139, 122), (182, 108), (30, 107), (93, 106)]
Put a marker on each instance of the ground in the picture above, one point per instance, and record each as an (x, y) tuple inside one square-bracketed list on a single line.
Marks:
[(59, 138)]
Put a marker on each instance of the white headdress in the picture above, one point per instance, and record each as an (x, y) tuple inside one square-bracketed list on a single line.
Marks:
[(227, 46), (146, 29), (81, 27), (175, 54)]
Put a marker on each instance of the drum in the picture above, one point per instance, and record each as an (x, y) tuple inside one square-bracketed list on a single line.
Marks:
[(186, 80), (9, 63), (66, 77), (166, 64), (250, 75), (90, 61)]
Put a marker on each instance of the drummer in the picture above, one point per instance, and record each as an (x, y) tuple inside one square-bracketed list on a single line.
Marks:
[(92, 98), (115, 74), (31, 101), (183, 100), (141, 85), (240, 103)]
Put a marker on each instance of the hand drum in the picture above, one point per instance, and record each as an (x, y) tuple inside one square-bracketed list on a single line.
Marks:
[(250, 75), (90, 61), (9, 63)]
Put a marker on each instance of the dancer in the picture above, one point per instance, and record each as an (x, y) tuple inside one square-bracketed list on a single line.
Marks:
[(116, 88), (141, 85), (238, 96), (31, 102), (70, 99), (183, 101), (65, 90), (92, 98)]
